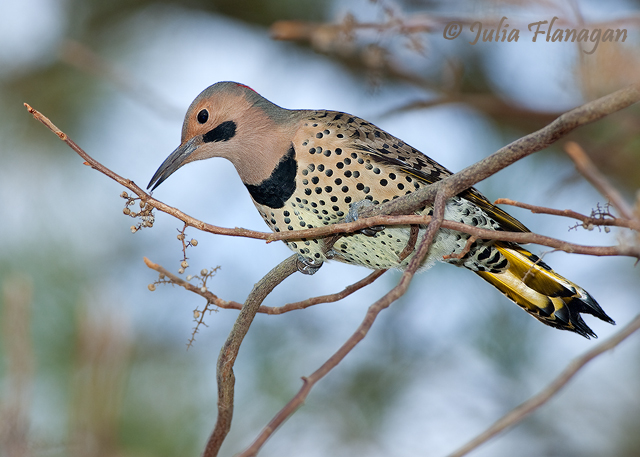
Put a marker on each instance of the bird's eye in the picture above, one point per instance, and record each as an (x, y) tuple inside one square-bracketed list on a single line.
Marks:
[(203, 116)]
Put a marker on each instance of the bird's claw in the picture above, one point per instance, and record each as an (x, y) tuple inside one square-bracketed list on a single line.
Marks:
[(352, 216), (307, 266), (372, 231)]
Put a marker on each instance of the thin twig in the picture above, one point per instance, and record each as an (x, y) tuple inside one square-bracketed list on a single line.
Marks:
[(147, 198), (209, 296), (273, 310), (330, 298), (411, 243), (587, 169), (520, 412), (586, 220), (467, 247)]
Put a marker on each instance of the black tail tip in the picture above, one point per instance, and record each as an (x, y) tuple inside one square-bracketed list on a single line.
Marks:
[(587, 305)]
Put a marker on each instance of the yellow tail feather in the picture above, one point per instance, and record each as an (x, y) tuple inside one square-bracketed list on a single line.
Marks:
[(543, 293)]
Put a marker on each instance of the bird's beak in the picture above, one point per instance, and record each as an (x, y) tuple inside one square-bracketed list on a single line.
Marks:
[(175, 160)]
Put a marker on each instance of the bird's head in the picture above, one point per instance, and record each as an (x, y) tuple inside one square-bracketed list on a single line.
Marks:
[(233, 121)]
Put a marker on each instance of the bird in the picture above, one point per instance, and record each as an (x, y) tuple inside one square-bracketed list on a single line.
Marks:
[(312, 168)]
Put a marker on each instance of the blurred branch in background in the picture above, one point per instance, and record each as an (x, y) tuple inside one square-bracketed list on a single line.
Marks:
[(374, 47), (15, 402), (593, 175), (377, 48), (96, 389), (102, 366), (84, 59), (519, 413)]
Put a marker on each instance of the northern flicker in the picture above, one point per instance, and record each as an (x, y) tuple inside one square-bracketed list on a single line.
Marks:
[(306, 168)]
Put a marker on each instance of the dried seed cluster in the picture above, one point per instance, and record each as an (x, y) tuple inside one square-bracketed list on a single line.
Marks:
[(202, 278), (600, 213), (145, 213)]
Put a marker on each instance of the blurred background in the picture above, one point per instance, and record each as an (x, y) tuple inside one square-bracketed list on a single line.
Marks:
[(94, 364)]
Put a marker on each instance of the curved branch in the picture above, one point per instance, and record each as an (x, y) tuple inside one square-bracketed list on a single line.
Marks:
[(209, 296), (229, 352)]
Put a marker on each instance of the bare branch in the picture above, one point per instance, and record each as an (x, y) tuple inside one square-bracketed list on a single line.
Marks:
[(411, 243), (274, 310), (467, 247), (147, 198), (210, 297), (324, 298), (519, 413), (516, 237)]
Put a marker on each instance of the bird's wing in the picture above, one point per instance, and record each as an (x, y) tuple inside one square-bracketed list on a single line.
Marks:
[(385, 148)]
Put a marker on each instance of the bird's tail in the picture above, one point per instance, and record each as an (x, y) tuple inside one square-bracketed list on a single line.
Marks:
[(543, 293)]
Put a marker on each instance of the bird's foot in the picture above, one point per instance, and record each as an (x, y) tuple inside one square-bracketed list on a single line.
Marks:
[(352, 216), (307, 266)]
